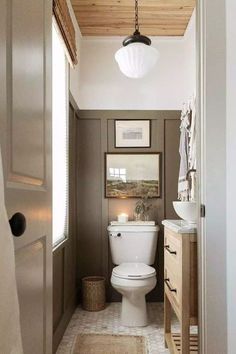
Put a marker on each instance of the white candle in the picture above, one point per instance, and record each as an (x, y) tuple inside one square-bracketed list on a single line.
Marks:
[(122, 218)]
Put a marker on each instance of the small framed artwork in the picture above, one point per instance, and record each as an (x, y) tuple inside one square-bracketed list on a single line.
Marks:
[(132, 133), (132, 175)]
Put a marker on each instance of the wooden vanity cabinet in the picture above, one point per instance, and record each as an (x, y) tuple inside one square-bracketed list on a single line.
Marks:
[(181, 293)]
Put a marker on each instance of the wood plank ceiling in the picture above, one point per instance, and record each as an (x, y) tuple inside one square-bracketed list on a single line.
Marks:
[(116, 17)]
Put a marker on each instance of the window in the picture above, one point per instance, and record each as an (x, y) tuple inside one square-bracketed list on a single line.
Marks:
[(118, 173), (59, 137)]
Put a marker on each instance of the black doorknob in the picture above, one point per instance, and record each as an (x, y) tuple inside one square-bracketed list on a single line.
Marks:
[(17, 224)]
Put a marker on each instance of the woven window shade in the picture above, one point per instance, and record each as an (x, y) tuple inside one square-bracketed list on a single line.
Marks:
[(62, 15)]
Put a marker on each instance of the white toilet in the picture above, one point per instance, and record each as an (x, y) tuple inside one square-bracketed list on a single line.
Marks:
[(133, 248)]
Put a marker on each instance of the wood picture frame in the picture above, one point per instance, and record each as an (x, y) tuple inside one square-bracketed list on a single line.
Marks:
[(133, 175), (131, 133)]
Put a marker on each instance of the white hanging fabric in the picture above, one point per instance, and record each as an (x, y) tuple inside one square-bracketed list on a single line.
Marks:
[(193, 149), (183, 185), (10, 335), (192, 135), (187, 151)]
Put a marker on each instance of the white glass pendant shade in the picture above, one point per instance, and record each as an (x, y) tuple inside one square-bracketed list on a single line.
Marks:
[(136, 59)]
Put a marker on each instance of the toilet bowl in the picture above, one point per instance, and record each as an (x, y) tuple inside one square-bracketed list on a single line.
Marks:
[(133, 281)]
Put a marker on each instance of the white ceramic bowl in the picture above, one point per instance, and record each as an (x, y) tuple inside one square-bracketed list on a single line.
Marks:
[(186, 210)]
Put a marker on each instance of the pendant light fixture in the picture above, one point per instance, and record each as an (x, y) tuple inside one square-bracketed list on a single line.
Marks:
[(137, 57)]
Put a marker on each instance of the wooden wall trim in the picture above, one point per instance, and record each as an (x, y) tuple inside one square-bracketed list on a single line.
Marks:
[(128, 114), (59, 332), (171, 161), (95, 131), (73, 103), (104, 202), (65, 255)]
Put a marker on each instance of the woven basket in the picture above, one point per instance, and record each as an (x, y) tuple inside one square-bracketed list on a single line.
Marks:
[(93, 293)]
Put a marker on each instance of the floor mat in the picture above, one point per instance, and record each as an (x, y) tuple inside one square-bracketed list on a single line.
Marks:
[(109, 344)]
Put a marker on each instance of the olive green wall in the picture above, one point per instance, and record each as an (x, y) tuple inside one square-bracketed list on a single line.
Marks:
[(95, 136)]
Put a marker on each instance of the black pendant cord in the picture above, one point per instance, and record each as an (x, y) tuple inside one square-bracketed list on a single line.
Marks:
[(136, 37), (136, 18)]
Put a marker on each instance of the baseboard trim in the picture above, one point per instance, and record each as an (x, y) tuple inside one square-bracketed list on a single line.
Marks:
[(60, 330)]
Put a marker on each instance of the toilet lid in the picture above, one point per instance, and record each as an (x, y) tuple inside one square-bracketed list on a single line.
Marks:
[(134, 271)]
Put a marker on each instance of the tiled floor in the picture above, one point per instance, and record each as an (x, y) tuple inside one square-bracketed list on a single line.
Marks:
[(107, 321)]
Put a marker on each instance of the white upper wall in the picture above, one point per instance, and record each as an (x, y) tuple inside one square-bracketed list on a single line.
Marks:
[(171, 82), (97, 83), (190, 69)]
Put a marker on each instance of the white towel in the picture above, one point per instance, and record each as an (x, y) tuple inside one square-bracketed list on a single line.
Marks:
[(10, 335), (192, 136), (192, 150), (183, 185)]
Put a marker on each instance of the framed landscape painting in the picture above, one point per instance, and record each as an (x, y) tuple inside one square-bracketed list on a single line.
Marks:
[(132, 175), (132, 133)]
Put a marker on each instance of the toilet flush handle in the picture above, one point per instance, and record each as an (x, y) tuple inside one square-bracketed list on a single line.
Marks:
[(115, 235)]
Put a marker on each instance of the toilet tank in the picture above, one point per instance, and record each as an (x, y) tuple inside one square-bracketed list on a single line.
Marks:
[(132, 243)]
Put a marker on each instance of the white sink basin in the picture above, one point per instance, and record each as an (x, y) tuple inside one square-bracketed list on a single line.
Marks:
[(186, 210)]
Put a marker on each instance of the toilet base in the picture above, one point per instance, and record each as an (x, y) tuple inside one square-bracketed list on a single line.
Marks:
[(134, 311), (133, 291)]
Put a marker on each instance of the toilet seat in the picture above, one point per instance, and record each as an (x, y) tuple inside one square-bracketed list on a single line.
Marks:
[(133, 271)]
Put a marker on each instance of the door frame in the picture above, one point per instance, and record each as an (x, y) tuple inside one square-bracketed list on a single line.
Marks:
[(211, 112)]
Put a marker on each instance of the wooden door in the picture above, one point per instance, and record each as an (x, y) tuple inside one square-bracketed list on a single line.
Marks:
[(25, 137)]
